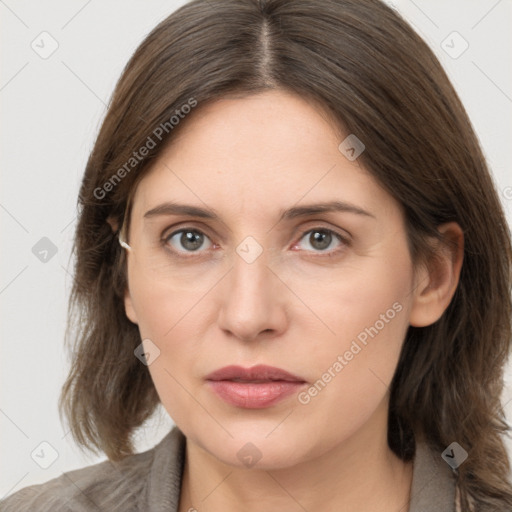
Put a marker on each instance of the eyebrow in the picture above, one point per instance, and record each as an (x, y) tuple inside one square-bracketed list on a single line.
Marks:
[(172, 208)]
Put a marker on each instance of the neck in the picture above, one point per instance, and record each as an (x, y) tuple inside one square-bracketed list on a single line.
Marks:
[(360, 474)]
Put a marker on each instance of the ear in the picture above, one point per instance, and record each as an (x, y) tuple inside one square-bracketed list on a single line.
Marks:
[(437, 280), (128, 304), (113, 223), (128, 307)]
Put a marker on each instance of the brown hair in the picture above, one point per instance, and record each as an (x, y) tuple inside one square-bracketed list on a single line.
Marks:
[(379, 79)]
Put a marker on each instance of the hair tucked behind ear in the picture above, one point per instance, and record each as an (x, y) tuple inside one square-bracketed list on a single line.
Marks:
[(380, 81)]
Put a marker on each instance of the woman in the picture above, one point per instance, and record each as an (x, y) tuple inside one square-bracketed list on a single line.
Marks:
[(290, 239)]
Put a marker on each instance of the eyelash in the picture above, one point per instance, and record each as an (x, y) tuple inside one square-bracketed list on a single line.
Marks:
[(344, 241)]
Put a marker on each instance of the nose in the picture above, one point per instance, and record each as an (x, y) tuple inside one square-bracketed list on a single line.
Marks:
[(253, 300)]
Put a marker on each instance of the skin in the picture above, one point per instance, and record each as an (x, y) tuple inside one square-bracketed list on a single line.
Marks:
[(293, 307)]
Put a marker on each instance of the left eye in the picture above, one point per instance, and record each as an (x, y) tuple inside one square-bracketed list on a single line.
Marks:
[(320, 239), (192, 240)]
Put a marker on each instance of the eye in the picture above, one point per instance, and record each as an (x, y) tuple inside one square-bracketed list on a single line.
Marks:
[(190, 240), (321, 239)]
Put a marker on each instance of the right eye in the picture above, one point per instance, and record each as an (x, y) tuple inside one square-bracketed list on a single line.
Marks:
[(186, 240)]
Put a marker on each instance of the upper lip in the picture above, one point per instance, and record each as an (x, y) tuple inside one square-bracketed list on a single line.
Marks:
[(258, 373)]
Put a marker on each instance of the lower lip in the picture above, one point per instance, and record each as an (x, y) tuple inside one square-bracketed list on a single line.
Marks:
[(254, 395)]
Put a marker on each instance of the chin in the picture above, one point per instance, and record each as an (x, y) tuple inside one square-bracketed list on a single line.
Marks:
[(252, 447)]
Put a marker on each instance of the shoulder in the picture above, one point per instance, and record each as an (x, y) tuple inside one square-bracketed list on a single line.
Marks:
[(106, 486), (103, 486)]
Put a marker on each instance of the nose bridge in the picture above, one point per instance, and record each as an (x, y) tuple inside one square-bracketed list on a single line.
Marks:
[(250, 272), (253, 302)]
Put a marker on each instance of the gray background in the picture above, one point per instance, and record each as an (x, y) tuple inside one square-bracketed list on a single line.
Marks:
[(52, 108)]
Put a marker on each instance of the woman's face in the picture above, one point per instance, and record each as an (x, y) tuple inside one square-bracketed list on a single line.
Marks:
[(325, 296)]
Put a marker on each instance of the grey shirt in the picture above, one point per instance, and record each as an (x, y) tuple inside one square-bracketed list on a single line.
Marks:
[(151, 482)]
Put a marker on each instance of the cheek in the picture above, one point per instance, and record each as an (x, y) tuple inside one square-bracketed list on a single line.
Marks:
[(169, 323), (168, 316), (163, 303), (368, 311)]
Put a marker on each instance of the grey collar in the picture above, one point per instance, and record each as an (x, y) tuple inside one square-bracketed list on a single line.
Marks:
[(433, 482)]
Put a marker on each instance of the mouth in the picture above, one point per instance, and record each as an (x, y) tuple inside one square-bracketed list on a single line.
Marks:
[(259, 373), (253, 388)]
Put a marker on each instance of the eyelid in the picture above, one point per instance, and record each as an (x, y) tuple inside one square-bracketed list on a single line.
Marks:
[(192, 226), (320, 225)]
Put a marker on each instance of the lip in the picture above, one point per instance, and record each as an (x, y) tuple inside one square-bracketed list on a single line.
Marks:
[(253, 388), (256, 373)]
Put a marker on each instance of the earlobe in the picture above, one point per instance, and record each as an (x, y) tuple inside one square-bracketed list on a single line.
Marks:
[(437, 281), (128, 307)]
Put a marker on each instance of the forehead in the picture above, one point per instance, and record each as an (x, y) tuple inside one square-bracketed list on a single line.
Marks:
[(255, 154)]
